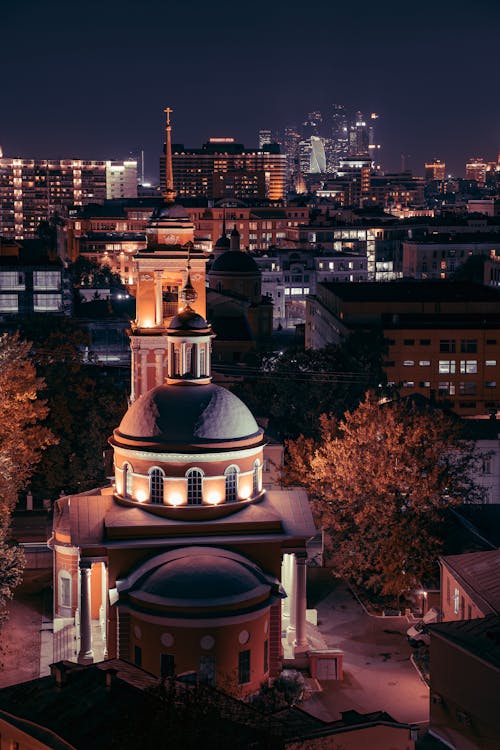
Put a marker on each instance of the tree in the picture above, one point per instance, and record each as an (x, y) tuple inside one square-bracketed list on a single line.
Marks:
[(23, 436), (86, 402), (92, 275), (292, 389), (380, 481)]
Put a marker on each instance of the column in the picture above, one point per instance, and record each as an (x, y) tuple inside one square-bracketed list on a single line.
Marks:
[(290, 631), (159, 367), (104, 605), (86, 655), (158, 299), (144, 373), (300, 601)]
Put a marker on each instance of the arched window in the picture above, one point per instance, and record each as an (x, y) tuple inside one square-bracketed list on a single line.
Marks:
[(156, 486), (256, 483), (194, 487), (127, 480), (231, 484), (64, 589)]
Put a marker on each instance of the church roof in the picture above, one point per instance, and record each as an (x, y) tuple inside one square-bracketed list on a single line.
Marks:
[(188, 320), (235, 261), (200, 577), (187, 414)]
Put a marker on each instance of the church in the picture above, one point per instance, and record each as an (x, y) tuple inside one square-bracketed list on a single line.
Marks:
[(186, 562)]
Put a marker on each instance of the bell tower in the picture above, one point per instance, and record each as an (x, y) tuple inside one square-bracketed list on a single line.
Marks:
[(160, 278)]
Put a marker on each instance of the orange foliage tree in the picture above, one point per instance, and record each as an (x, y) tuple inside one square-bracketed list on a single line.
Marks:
[(380, 481)]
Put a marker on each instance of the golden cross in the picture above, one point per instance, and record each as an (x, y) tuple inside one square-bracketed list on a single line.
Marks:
[(167, 112)]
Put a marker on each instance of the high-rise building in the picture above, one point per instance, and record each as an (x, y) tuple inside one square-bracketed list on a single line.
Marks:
[(121, 179), (359, 136), (317, 164), (476, 169), (222, 168), (265, 137), (32, 190), (435, 170)]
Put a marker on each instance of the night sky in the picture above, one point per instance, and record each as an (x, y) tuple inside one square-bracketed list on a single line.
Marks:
[(91, 79)]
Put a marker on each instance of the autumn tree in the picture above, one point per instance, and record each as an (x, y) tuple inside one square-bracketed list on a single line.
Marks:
[(23, 438), (86, 403), (381, 480)]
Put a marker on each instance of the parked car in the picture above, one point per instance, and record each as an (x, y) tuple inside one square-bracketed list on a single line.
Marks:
[(418, 634)]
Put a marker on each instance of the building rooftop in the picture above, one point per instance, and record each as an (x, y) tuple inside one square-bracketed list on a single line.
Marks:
[(480, 637), (413, 291), (479, 572)]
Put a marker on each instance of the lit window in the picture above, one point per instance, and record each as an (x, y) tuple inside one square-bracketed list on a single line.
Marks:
[(408, 363), (231, 484), (46, 279), (194, 487), (456, 601), (468, 366), (156, 486), (47, 302), (490, 363), (9, 303), (424, 362), (447, 366)]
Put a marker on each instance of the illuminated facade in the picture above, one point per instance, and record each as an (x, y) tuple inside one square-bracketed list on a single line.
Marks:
[(32, 190), (223, 168), (177, 566), (435, 170), (476, 169)]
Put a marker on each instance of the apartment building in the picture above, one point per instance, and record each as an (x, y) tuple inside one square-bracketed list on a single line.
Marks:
[(32, 190), (442, 338)]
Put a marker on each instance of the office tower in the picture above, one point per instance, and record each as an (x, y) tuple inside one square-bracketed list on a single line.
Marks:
[(475, 169), (265, 137), (317, 164), (359, 136), (222, 168), (435, 170)]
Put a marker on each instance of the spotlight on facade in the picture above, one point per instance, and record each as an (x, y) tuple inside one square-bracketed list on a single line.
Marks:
[(175, 499), (214, 498), (141, 496)]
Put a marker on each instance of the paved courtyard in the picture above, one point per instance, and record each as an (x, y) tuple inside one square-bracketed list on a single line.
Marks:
[(378, 673)]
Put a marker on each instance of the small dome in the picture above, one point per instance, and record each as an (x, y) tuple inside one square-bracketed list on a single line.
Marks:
[(223, 241), (235, 261), (204, 577), (187, 414), (188, 320)]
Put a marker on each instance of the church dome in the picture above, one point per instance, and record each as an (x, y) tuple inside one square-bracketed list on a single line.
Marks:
[(223, 242), (203, 577), (187, 414), (235, 261), (188, 320)]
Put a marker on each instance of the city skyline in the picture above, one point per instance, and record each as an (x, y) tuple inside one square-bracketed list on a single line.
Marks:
[(94, 84)]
